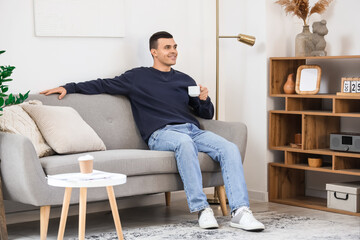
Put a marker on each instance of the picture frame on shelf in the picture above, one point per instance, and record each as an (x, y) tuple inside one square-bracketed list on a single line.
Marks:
[(308, 79)]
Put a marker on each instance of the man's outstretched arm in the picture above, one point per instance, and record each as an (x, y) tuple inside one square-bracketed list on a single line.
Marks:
[(120, 85)]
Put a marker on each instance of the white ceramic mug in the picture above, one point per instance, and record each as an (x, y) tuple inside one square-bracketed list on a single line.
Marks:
[(194, 91)]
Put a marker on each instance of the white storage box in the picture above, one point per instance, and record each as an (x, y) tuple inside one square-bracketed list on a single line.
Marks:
[(344, 196)]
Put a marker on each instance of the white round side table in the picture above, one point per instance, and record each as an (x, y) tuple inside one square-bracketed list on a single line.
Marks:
[(84, 181)]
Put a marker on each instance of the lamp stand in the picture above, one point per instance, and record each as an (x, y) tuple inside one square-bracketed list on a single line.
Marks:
[(249, 40)]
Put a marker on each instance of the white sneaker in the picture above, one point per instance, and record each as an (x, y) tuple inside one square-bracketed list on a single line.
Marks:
[(207, 219), (244, 219)]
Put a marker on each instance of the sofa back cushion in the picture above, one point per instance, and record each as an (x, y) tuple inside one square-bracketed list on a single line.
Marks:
[(110, 117)]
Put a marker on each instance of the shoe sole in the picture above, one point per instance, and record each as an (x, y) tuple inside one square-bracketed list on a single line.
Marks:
[(235, 225), (210, 226)]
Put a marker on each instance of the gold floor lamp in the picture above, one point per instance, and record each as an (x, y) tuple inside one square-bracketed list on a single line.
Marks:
[(249, 40)]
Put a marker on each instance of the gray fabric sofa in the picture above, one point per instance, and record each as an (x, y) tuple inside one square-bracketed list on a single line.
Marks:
[(24, 174)]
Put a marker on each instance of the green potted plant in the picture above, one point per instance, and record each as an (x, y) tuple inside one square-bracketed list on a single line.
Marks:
[(8, 99)]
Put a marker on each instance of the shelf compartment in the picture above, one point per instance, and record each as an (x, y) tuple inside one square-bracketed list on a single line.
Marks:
[(301, 159), (309, 104), (283, 128), (349, 164), (287, 186), (285, 182), (279, 71), (347, 106), (317, 131)]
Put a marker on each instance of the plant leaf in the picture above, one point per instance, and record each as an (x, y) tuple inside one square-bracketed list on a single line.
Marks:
[(26, 95), (4, 89), (7, 80), (320, 6)]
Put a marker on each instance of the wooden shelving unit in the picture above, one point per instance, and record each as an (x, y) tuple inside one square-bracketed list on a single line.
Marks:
[(308, 115)]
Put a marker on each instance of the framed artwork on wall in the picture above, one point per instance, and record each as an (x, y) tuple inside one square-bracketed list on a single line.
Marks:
[(79, 18)]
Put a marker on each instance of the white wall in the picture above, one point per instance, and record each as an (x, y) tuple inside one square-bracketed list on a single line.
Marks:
[(46, 62), (243, 84)]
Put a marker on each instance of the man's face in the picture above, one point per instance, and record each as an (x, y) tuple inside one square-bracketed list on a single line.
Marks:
[(166, 52)]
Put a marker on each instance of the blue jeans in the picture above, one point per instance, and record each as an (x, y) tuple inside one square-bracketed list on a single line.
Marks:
[(186, 140)]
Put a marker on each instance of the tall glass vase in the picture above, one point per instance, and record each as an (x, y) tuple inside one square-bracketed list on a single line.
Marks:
[(303, 44)]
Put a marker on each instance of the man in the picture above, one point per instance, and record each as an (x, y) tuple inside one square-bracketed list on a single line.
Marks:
[(160, 105)]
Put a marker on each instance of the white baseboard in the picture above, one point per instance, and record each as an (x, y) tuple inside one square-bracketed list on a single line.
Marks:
[(258, 196)]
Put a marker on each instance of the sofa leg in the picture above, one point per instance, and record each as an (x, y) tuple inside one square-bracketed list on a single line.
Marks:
[(44, 221), (222, 198), (167, 198)]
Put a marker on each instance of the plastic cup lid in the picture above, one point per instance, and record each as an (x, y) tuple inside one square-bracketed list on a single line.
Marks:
[(86, 157)]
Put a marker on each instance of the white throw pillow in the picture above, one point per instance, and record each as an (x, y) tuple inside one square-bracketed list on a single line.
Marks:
[(16, 120), (64, 129)]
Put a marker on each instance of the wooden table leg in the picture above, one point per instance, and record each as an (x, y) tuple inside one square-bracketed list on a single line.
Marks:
[(82, 213), (64, 213), (114, 210), (3, 229), (44, 221)]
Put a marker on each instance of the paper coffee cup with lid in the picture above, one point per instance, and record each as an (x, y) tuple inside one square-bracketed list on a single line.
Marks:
[(86, 163)]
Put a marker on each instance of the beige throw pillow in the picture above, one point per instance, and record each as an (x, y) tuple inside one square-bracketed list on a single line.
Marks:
[(64, 129), (16, 120)]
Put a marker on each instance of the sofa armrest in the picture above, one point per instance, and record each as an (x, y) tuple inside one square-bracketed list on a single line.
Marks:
[(23, 177), (235, 132)]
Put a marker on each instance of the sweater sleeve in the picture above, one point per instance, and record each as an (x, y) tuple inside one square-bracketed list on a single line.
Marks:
[(203, 109), (120, 85)]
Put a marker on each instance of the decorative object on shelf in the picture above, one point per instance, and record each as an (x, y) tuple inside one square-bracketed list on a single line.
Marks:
[(315, 162), (289, 86), (298, 138), (300, 8), (350, 86), (317, 38), (297, 141), (293, 145), (308, 79), (303, 43)]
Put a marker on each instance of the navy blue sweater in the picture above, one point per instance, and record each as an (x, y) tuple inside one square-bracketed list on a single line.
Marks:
[(157, 98)]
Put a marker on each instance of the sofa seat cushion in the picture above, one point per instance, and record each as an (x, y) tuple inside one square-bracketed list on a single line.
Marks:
[(132, 162)]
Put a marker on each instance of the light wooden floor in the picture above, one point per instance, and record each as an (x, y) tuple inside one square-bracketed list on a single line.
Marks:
[(153, 215)]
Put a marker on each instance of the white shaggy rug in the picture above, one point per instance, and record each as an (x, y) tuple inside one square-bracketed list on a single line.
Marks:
[(278, 226)]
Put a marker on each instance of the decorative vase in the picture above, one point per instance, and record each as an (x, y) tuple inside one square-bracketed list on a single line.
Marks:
[(289, 86), (303, 44)]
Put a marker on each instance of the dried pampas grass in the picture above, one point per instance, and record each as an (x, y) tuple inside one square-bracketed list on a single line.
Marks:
[(300, 8)]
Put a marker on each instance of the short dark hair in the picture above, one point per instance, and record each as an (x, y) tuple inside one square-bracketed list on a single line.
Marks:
[(153, 39)]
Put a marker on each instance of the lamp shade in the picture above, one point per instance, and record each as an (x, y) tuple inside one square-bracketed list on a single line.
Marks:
[(247, 39)]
